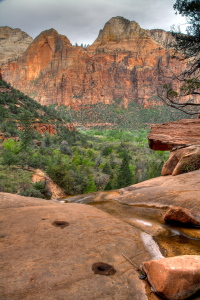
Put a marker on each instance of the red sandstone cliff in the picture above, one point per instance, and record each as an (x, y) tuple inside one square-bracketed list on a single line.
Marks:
[(123, 62)]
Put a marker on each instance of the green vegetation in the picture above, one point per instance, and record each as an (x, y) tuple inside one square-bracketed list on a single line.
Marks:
[(79, 161), (133, 117)]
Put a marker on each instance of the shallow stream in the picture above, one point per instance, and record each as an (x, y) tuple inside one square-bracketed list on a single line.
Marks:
[(172, 240)]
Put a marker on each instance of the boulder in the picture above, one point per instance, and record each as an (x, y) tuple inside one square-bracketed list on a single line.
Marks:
[(183, 160), (183, 216), (174, 278)]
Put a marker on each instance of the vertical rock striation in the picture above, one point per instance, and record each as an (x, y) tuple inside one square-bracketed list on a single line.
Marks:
[(123, 63)]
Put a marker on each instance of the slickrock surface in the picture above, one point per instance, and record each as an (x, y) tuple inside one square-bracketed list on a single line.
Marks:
[(66, 251), (144, 205), (123, 63), (174, 278), (171, 134), (13, 42), (182, 190), (62, 251)]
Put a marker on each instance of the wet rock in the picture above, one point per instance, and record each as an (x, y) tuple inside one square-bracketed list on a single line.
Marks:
[(183, 216), (174, 278), (162, 192), (182, 161)]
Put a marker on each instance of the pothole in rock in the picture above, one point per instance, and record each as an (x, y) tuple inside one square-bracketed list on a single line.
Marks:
[(103, 269), (60, 224)]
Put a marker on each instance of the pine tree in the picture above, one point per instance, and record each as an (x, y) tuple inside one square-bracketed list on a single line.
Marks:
[(125, 176)]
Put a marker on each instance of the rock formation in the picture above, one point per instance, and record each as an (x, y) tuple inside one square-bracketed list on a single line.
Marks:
[(13, 42), (183, 140), (183, 216), (55, 192), (57, 251), (123, 63), (169, 135), (42, 128), (66, 251), (182, 160), (174, 278)]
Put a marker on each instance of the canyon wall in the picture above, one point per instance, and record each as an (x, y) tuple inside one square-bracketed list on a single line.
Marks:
[(123, 63)]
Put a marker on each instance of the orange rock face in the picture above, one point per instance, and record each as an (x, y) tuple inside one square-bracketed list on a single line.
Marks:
[(42, 128), (165, 136), (123, 63)]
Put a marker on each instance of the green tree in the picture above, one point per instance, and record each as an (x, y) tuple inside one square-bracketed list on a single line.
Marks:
[(111, 184), (191, 10), (107, 168), (26, 122), (125, 176), (90, 186), (10, 152)]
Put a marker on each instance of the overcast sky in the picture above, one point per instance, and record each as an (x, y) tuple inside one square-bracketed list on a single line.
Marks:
[(81, 20)]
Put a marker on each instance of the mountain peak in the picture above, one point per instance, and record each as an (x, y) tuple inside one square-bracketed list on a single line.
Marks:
[(13, 42), (118, 29)]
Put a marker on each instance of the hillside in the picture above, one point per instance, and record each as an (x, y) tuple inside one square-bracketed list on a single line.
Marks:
[(79, 160), (124, 63)]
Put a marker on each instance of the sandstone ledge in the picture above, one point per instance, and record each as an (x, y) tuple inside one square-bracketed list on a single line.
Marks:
[(166, 136)]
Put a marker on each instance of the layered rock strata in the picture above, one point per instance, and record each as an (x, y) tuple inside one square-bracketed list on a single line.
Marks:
[(125, 62), (183, 140), (169, 135)]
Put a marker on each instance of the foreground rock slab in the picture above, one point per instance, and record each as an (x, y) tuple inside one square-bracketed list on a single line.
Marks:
[(183, 216), (174, 278), (67, 251)]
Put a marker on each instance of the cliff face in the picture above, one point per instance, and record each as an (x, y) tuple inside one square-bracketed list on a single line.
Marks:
[(123, 63), (13, 42)]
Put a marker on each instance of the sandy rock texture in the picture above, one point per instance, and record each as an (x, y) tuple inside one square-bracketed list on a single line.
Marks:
[(182, 161), (144, 205), (166, 136), (182, 190), (67, 251), (174, 278), (75, 251)]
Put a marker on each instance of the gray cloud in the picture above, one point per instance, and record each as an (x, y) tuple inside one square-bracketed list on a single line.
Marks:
[(81, 20)]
